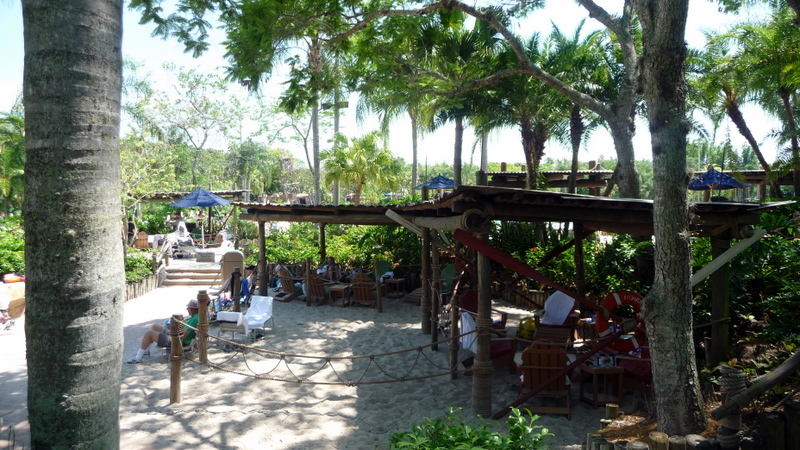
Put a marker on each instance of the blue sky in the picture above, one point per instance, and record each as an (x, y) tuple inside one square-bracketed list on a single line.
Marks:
[(437, 147)]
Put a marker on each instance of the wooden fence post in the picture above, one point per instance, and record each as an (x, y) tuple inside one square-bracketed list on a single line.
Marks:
[(202, 326), (176, 354)]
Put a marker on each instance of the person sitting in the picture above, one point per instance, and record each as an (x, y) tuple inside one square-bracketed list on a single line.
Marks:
[(158, 334), (332, 270)]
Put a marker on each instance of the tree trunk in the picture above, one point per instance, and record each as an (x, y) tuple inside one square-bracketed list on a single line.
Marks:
[(457, 150), (414, 147), (791, 123), (526, 136), (576, 133), (73, 253), (668, 305), (736, 116)]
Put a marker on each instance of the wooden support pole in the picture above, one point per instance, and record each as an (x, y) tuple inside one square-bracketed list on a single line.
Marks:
[(720, 305), (425, 300), (697, 442), (175, 356), (637, 445), (263, 273), (202, 326), (379, 297), (482, 367)]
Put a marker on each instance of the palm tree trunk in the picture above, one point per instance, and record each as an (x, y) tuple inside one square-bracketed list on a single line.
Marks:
[(457, 150), (73, 251), (792, 125), (414, 148), (732, 108), (576, 134)]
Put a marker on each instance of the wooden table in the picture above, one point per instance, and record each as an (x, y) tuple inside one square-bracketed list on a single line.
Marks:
[(395, 287), (604, 375), (343, 290)]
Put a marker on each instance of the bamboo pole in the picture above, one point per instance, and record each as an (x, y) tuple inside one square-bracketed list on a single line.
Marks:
[(176, 353)]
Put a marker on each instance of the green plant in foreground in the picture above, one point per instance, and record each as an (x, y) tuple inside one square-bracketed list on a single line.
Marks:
[(454, 432)]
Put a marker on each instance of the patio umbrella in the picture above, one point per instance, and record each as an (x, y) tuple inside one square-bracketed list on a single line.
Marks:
[(201, 198), (438, 182), (715, 180)]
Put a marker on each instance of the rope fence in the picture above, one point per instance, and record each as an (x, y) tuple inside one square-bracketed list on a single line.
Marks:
[(325, 362)]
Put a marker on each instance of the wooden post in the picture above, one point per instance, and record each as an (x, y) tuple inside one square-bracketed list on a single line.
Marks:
[(436, 284), (720, 306), (202, 326), (580, 273), (697, 442), (637, 445), (773, 428), (175, 356), (236, 289), (660, 440), (612, 411), (791, 409), (323, 246), (677, 443), (427, 319), (263, 273), (378, 296), (482, 367)]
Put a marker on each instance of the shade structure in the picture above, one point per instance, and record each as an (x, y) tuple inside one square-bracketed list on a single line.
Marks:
[(438, 182), (200, 198), (715, 180)]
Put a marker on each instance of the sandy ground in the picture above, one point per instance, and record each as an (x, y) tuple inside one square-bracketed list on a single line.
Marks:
[(236, 410)]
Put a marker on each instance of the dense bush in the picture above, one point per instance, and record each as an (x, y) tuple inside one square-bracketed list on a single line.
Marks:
[(454, 432), (138, 265), (12, 245)]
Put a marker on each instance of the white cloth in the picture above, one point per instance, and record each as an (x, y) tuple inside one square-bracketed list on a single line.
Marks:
[(557, 308), (233, 317), (469, 342), (260, 311)]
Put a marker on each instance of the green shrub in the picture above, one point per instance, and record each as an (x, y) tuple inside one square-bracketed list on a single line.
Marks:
[(454, 432), (138, 266), (12, 245)]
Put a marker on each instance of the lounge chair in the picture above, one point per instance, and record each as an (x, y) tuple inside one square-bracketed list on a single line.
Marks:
[(501, 349), (259, 313), (540, 362), (315, 290), (363, 291), (287, 290)]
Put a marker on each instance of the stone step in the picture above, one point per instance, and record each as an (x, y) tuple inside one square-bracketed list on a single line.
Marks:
[(189, 282), (194, 276), (210, 270)]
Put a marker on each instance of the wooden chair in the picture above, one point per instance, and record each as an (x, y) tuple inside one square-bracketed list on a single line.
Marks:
[(363, 291), (287, 292), (141, 241), (315, 290), (541, 361)]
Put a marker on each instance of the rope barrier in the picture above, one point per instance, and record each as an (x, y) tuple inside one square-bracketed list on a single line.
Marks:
[(327, 362)]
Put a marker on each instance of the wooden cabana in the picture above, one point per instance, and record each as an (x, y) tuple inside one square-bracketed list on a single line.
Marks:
[(471, 208)]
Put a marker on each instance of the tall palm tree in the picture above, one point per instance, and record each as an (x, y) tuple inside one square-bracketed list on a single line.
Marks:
[(73, 250), (770, 57), (718, 80), (582, 62)]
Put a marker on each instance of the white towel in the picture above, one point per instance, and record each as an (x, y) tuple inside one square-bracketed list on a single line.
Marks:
[(469, 342)]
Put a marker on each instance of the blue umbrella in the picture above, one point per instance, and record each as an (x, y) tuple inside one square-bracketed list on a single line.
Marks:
[(438, 182), (714, 179), (202, 199)]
